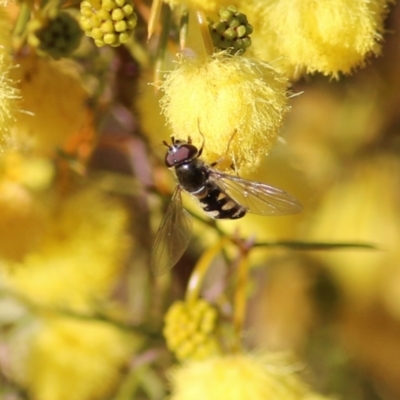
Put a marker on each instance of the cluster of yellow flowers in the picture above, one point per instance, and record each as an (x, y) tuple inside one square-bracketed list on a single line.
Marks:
[(63, 352), (189, 330), (62, 245), (241, 100)]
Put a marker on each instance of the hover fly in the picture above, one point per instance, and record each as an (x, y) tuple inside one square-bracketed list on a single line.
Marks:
[(221, 196)]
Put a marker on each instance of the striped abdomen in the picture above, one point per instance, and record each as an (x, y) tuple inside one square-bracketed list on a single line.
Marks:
[(217, 204)]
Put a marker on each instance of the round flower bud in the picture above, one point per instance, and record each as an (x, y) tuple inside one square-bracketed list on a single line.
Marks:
[(189, 330), (56, 36), (108, 21), (231, 31)]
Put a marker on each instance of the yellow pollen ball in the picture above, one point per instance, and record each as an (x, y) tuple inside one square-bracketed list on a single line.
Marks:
[(53, 101), (87, 354), (84, 228), (228, 100), (237, 377), (318, 36)]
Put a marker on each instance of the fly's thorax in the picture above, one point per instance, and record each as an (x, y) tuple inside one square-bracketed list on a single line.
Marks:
[(192, 176)]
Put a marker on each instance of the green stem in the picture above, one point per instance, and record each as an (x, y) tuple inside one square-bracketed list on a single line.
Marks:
[(240, 298), (183, 30), (163, 40), (22, 19), (309, 246), (200, 271), (205, 33)]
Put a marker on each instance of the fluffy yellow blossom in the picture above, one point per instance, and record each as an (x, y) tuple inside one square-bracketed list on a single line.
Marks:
[(362, 208), (70, 359), (53, 104), (230, 100), (317, 36), (237, 377), (79, 256)]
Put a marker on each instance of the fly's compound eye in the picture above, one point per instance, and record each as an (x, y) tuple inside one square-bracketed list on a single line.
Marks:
[(180, 154)]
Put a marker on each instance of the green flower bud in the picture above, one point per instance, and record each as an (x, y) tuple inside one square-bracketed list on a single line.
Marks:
[(57, 36), (231, 31)]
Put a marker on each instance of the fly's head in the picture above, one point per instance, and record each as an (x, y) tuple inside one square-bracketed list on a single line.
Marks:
[(180, 152)]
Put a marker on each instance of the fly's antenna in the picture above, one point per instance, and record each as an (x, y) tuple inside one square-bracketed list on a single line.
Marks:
[(172, 140), (202, 145), (168, 145)]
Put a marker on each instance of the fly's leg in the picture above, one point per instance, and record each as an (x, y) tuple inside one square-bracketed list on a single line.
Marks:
[(222, 159)]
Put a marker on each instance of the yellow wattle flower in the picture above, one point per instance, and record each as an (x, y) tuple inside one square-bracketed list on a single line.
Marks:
[(70, 359), (317, 36), (238, 377), (78, 257), (231, 100), (362, 208), (53, 104)]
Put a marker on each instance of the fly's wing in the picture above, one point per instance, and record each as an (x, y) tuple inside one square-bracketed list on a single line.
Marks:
[(257, 197), (173, 236)]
